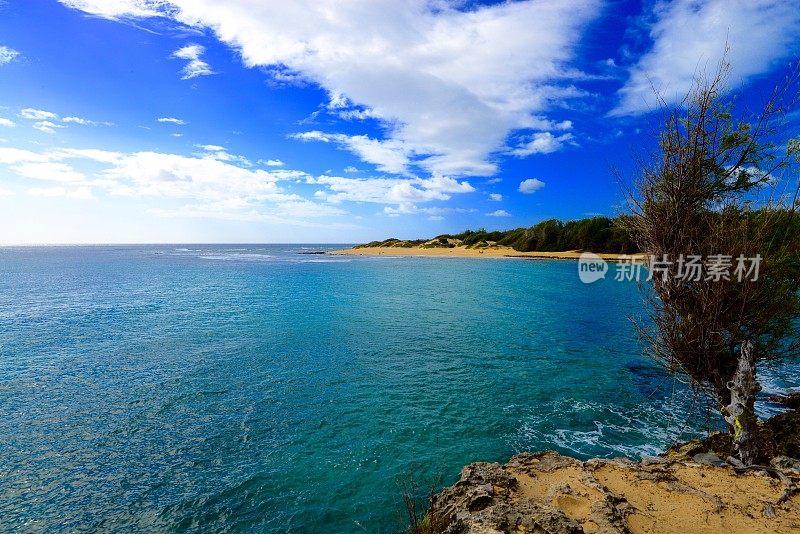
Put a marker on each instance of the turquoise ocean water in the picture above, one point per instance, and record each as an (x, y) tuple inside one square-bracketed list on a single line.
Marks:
[(253, 388)]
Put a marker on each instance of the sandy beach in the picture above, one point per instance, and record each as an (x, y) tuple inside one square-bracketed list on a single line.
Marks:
[(463, 252)]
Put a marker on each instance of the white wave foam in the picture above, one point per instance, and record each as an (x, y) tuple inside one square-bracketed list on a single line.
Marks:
[(633, 432)]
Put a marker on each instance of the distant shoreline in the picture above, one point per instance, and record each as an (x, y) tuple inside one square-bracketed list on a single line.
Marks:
[(464, 252)]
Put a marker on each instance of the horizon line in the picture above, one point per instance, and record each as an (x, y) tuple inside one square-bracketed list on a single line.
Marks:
[(165, 243)]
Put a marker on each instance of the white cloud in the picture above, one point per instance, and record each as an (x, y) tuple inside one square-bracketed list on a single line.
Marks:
[(305, 209), (390, 190), (387, 155), (499, 213), (213, 188), (274, 163), (9, 156), (448, 84), (37, 114), (99, 156), (5, 192), (541, 143), (78, 120), (435, 213), (172, 120), (8, 123), (114, 9), (7, 55), (195, 66), (212, 148), (50, 171), (80, 193), (314, 136), (45, 120), (204, 178), (291, 212), (356, 114), (531, 185), (689, 38), (447, 185), (47, 126), (495, 197), (216, 184), (218, 189), (542, 123), (221, 153), (85, 122)]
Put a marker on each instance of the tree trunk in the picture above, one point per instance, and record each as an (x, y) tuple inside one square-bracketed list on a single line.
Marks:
[(740, 413)]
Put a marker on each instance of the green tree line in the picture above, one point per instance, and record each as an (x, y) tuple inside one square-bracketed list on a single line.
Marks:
[(596, 234)]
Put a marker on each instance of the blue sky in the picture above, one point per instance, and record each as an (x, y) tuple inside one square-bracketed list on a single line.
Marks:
[(131, 121)]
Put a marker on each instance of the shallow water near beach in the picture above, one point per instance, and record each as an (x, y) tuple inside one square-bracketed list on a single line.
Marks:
[(241, 387)]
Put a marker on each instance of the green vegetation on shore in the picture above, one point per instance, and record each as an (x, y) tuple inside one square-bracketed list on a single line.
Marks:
[(596, 234)]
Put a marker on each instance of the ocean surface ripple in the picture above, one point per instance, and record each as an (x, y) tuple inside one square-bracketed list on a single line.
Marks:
[(232, 387)]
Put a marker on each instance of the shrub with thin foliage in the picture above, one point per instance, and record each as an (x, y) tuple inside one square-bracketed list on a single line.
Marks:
[(712, 190)]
